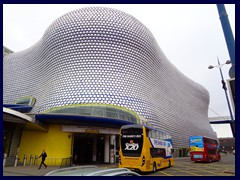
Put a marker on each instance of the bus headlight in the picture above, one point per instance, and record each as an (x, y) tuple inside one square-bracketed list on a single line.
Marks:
[(143, 160), (119, 160)]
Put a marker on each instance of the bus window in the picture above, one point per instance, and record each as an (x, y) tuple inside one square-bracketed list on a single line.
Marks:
[(162, 152), (131, 142), (158, 152)]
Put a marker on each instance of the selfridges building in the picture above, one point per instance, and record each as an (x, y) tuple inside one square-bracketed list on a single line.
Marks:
[(102, 56)]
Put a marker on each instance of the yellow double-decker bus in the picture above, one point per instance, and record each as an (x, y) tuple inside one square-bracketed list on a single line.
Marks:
[(144, 148)]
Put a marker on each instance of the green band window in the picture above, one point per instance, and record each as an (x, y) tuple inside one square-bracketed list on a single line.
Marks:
[(27, 100), (109, 111)]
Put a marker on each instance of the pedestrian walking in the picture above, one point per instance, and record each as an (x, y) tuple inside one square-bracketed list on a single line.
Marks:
[(43, 155)]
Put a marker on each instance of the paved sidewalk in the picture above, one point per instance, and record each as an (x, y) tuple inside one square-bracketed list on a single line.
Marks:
[(34, 171), (27, 170)]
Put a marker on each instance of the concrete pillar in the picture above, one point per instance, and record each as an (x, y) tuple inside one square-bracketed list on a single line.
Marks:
[(94, 157), (112, 148), (106, 148)]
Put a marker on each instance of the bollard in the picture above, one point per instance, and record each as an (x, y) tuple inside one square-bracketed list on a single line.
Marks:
[(4, 159), (35, 160), (16, 161), (24, 159), (31, 160)]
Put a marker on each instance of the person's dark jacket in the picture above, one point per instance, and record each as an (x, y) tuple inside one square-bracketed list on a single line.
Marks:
[(43, 155)]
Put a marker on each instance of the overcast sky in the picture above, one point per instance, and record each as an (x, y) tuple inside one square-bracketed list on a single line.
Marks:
[(191, 37)]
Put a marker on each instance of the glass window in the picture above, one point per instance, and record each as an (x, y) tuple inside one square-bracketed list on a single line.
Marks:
[(153, 134), (158, 152), (27, 100), (161, 136), (101, 111), (157, 134), (165, 136), (85, 111), (111, 114), (131, 141)]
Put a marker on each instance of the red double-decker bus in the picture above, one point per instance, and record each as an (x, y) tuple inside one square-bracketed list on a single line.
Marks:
[(204, 149)]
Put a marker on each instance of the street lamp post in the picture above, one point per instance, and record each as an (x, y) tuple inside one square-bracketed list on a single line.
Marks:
[(219, 66)]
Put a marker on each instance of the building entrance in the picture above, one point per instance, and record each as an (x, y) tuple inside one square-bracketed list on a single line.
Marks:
[(88, 148)]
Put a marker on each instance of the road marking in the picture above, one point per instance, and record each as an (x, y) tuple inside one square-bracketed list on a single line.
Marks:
[(201, 169), (166, 173), (187, 172)]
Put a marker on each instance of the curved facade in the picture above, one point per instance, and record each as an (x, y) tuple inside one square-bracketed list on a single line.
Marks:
[(102, 55)]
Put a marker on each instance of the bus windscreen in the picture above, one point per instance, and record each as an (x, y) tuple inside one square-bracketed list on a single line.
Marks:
[(131, 142), (196, 143)]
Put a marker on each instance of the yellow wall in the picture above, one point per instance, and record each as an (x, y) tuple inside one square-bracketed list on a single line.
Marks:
[(56, 143)]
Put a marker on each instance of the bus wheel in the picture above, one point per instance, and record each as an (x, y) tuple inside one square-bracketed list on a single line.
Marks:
[(154, 167), (210, 160), (169, 163)]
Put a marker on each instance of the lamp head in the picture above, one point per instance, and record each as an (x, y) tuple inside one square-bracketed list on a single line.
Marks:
[(210, 67), (228, 62)]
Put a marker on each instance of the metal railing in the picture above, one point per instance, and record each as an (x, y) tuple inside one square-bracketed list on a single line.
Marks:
[(66, 162)]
